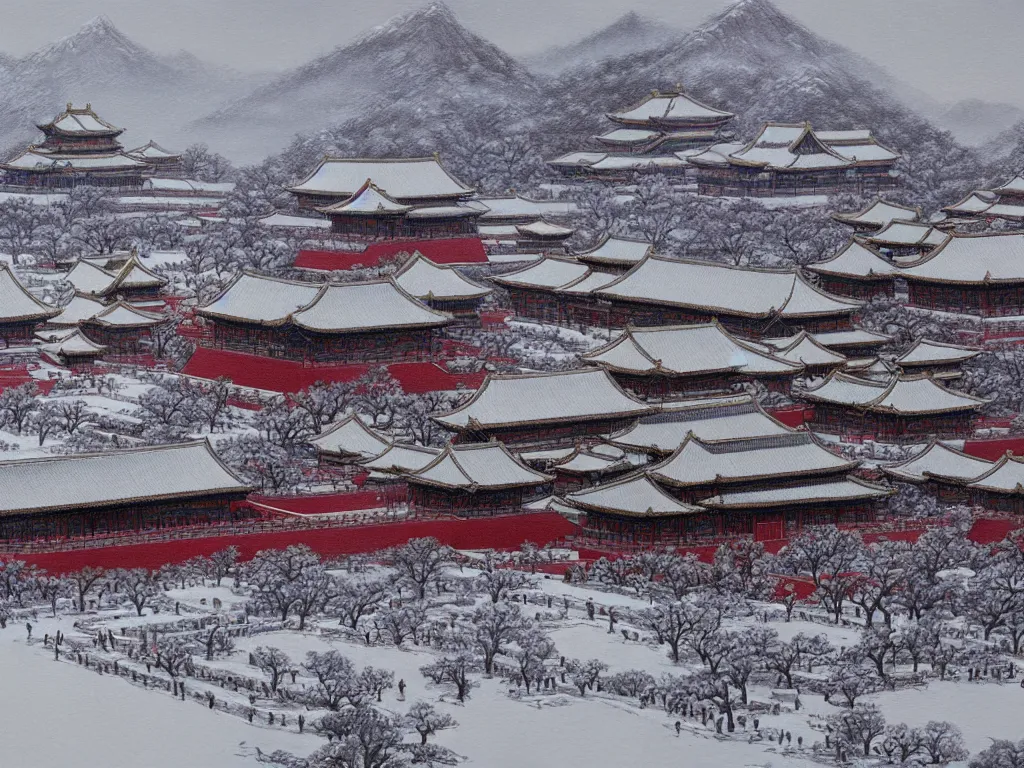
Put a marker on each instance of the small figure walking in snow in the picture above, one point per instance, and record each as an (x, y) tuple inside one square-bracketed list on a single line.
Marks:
[(28, 626), (679, 728)]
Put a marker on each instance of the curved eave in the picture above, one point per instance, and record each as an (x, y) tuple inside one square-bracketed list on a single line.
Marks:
[(739, 479)]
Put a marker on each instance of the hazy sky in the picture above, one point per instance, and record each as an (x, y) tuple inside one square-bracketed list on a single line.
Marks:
[(952, 49)]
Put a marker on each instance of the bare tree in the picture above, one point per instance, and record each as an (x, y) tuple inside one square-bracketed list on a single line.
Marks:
[(423, 718), (421, 560), (273, 662)]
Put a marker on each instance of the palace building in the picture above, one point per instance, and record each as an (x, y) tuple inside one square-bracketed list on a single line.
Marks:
[(543, 409), (473, 481), (132, 281), (858, 271), (655, 136), (793, 159), (165, 163), (1005, 202), (74, 350), (854, 343), (79, 149), (442, 288), (369, 322), (349, 442), (904, 409), (542, 290), (663, 363), (387, 199), (877, 215), (748, 302), (709, 419), (616, 254), (814, 357), (940, 469), (1001, 488), (906, 239), (125, 490), (979, 275), (123, 330), (935, 358), (21, 313)]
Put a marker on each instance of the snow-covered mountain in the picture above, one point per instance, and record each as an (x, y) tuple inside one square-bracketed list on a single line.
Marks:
[(150, 95), (974, 121), (628, 34), (418, 58)]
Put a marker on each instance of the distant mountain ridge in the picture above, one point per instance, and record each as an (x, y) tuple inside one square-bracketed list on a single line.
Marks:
[(627, 34), (150, 95)]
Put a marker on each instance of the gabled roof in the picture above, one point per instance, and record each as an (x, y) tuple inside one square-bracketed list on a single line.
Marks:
[(906, 233), (972, 259), (75, 344), (617, 251), (541, 228), (350, 437), (696, 463), (403, 458), (477, 466), (938, 460), (135, 275), (539, 398), (93, 280), (89, 279), (259, 299), (584, 461), (976, 202), (152, 151), (925, 352), (518, 206), (186, 470), (369, 306), (806, 350), (369, 199), (688, 350), (33, 159), (848, 489), (1014, 186), (837, 340), (124, 315), (879, 213), (17, 304), (901, 394), (857, 259), (717, 288), (403, 178), (548, 273), (633, 496), (710, 419), (670, 108), (80, 122), (628, 136), (422, 278), (1006, 476)]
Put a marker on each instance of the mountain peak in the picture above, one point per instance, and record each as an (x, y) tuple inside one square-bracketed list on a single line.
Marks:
[(97, 33)]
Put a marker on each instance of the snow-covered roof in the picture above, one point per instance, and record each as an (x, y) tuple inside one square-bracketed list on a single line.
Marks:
[(927, 352), (939, 460), (689, 350), (548, 273), (634, 496), (404, 179), (1005, 476), (628, 136), (442, 212), (189, 185), (848, 489), (517, 206), (134, 274), (585, 461), (808, 351), (620, 161), (369, 306), (33, 160), (879, 213), (350, 437), (422, 278), (866, 152), (80, 122), (898, 232), (670, 108), (541, 228), (618, 251), (901, 394), (1014, 186), (856, 259), (836, 339), (80, 308), (797, 454), (578, 159), (713, 287), (368, 199), (294, 222), (477, 466), (186, 470), (403, 458), (976, 202), (75, 344), (152, 150), (710, 419), (124, 315), (583, 395), (17, 304), (977, 259), (259, 299)]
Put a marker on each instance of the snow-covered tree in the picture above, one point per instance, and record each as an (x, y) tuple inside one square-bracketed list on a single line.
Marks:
[(858, 728), (424, 718), (273, 662), (421, 561)]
